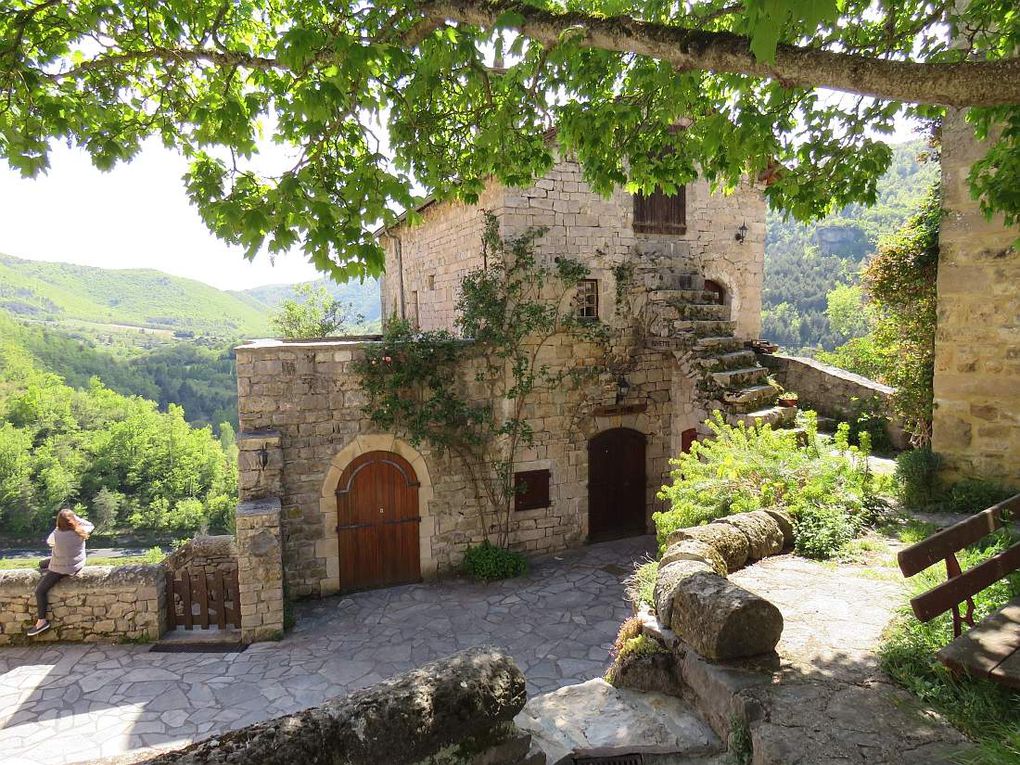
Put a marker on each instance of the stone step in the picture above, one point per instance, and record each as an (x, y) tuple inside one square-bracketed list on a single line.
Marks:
[(700, 297), (718, 344), (594, 715), (740, 378), (702, 328), (750, 398), (776, 416), (731, 360)]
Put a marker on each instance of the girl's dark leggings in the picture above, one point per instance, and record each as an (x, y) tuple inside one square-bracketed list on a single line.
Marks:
[(42, 591)]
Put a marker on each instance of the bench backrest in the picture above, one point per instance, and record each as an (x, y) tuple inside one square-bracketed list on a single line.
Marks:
[(944, 545)]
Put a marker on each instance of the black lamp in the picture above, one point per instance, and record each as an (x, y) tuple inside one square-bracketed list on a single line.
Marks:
[(741, 233), (263, 457), (622, 388)]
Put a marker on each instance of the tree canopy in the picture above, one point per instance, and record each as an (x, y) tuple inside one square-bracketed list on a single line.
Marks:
[(373, 100)]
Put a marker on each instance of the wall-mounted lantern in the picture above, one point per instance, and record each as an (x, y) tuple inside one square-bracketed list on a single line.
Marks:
[(622, 388), (263, 457), (741, 233)]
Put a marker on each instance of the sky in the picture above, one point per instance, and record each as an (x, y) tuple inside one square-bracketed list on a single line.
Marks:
[(136, 216)]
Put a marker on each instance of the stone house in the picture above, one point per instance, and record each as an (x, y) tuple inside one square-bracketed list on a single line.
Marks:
[(678, 277)]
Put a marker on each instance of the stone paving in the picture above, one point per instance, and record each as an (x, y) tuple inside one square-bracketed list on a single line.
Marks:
[(71, 703)]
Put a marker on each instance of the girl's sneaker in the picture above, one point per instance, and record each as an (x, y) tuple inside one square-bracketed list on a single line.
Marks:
[(37, 630)]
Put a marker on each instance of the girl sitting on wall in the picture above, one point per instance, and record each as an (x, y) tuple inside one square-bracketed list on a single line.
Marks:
[(67, 541)]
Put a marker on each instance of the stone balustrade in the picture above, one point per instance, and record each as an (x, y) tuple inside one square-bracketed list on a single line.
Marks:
[(102, 604)]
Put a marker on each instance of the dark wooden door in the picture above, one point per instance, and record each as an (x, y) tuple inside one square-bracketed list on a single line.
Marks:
[(616, 484), (378, 522)]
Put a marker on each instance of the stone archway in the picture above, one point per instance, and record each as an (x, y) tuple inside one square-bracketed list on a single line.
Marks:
[(327, 547)]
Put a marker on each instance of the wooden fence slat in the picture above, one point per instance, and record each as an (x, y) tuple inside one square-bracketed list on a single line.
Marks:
[(202, 596), (221, 601), (171, 601), (186, 600), (235, 598)]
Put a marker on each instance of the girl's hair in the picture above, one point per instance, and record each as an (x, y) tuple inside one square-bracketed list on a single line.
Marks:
[(68, 521)]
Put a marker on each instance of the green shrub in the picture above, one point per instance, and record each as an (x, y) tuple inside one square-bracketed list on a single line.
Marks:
[(917, 479), (745, 469), (972, 495), (488, 562)]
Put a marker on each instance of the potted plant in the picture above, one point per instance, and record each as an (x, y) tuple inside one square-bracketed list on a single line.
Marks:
[(787, 398)]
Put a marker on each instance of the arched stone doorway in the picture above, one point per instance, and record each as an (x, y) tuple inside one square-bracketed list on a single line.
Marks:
[(328, 546), (717, 290), (378, 522), (617, 479)]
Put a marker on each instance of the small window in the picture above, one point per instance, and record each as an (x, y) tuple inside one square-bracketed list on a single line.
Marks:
[(661, 213), (531, 489), (431, 281), (588, 299)]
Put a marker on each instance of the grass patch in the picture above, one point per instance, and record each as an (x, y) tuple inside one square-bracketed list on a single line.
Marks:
[(640, 586), (985, 711), (154, 555), (908, 530)]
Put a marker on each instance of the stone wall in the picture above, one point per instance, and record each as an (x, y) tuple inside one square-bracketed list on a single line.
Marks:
[(977, 345), (206, 554), (308, 393), (260, 569), (831, 391), (425, 263), (102, 604)]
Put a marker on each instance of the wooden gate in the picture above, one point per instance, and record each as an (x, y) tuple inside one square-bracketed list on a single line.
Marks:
[(203, 599), (378, 522), (616, 484)]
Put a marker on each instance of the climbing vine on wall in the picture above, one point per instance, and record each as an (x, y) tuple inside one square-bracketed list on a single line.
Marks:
[(510, 311)]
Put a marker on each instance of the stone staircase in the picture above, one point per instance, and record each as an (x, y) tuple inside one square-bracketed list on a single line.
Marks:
[(681, 317)]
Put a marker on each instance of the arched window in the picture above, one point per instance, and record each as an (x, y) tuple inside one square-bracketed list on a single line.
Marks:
[(717, 290)]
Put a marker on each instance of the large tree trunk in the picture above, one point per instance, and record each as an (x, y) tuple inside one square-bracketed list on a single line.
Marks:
[(966, 83)]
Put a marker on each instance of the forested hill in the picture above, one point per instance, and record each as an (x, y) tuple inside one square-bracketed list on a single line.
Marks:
[(364, 297), (62, 292), (804, 262)]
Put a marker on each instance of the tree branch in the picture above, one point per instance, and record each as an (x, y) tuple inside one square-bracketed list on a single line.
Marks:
[(965, 83)]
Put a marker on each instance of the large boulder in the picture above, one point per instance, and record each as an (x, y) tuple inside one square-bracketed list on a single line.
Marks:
[(764, 536), (729, 542), (695, 549), (721, 620), (466, 702), (668, 579)]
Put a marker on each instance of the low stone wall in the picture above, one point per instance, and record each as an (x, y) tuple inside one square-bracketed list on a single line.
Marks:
[(204, 554), (455, 711), (102, 604), (831, 391)]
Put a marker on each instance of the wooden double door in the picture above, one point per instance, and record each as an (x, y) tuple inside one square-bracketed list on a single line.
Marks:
[(378, 522), (617, 484)]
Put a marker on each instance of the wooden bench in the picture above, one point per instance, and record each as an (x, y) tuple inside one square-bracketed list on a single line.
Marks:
[(990, 649)]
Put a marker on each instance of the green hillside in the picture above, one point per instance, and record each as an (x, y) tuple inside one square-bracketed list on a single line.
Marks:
[(137, 297), (363, 296), (804, 262)]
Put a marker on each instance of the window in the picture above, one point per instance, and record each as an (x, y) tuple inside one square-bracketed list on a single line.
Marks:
[(588, 299), (531, 489), (431, 281), (661, 213)]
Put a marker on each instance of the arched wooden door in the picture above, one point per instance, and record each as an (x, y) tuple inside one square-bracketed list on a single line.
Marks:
[(378, 522), (616, 484)]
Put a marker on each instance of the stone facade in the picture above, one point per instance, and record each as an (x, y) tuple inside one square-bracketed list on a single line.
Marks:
[(102, 604), (977, 345), (301, 405), (425, 263)]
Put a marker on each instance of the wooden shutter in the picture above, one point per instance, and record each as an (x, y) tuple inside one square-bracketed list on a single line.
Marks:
[(661, 213), (531, 489)]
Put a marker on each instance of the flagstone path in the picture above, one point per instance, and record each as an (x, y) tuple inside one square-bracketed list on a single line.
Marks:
[(76, 703)]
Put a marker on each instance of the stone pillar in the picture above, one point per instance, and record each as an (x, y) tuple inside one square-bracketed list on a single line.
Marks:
[(977, 347), (260, 569), (259, 465)]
